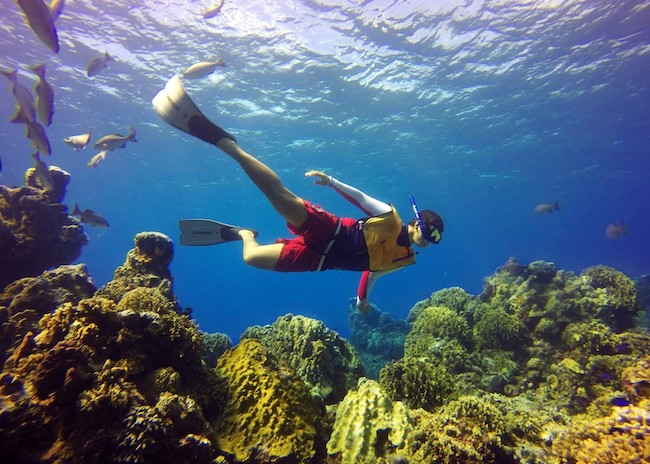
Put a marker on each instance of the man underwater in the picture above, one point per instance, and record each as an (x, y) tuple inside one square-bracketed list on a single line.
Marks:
[(375, 245)]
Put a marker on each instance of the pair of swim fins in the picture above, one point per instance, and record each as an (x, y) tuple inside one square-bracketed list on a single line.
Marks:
[(203, 232)]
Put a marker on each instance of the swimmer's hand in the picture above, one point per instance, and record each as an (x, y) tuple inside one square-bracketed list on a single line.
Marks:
[(321, 178)]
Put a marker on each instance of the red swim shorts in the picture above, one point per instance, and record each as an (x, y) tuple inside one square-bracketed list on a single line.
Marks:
[(304, 252)]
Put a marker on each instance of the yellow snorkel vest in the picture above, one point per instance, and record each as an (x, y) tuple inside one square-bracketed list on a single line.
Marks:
[(380, 233)]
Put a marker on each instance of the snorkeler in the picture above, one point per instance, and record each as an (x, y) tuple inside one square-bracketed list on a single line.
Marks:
[(375, 245)]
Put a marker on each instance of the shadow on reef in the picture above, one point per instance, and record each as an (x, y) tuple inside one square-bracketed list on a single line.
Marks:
[(544, 366)]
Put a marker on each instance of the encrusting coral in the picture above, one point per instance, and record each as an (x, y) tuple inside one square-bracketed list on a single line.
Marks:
[(270, 415), (327, 363)]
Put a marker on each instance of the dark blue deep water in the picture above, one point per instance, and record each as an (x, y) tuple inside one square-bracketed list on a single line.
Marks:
[(481, 109)]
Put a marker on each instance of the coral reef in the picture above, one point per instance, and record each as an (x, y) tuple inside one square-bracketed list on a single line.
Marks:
[(92, 379), (215, 344), (621, 307), (25, 301), (369, 427), (544, 366), (377, 337), (146, 265), (270, 415), (36, 232), (623, 436), (327, 363)]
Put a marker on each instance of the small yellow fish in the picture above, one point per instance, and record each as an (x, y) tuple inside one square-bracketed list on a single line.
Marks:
[(203, 68), (42, 173), (39, 19), (22, 94), (78, 142), (44, 96), (214, 10), (98, 158), (35, 132)]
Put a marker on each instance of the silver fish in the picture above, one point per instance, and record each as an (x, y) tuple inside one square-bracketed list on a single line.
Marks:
[(44, 96), (56, 8), (42, 173), (89, 217), (547, 207), (213, 10), (39, 19), (35, 132), (97, 65), (22, 94), (98, 158), (113, 141), (78, 142), (202, 69)]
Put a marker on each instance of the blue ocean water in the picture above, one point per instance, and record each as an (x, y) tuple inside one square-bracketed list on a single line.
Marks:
[(480, 109)]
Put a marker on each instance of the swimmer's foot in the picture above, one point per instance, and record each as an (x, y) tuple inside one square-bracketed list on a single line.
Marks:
[(230, 234), (175, 106)]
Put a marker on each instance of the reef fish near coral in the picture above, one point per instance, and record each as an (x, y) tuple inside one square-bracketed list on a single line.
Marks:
[(202, 69), (35, 132), (547, 207), (39, 19), (44, 96), (98, 158), (89, 217), (113, 141), (78, 142), (43, 173), (98, 64), (22, 94)]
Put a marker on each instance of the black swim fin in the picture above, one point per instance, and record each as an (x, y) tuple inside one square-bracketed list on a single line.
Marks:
[(202, 232)]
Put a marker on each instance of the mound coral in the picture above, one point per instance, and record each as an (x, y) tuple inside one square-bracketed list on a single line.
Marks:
[(270, 415), (327, 363), (417, 382), (433, 326), (369, 427), (621, 307)]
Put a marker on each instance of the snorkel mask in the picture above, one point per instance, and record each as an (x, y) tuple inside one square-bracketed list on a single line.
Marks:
[(430, 233)]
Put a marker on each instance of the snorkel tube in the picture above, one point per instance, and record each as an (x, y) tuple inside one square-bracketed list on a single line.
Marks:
[(426, 233)]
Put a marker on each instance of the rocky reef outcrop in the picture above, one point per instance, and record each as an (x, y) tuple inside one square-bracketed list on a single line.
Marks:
[(327, 363), (36, 232), (106, 376)]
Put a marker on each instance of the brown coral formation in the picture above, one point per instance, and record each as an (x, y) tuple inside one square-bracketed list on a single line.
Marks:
[(107, 380), (327, 363), (270, 415), (36, 232)]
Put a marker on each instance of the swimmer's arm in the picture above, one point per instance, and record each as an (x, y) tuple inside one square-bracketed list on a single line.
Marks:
[(366, 203), (366, 283)]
